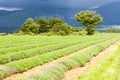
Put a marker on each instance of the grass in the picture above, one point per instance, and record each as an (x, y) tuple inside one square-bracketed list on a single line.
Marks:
[(57, 71), (19, 55), (106, 69), (25, 64), (6, 58)]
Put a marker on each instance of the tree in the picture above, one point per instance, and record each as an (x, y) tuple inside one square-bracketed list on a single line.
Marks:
[(29, 26), (62, 29), (44, 24), (89, 19), (53, 21)]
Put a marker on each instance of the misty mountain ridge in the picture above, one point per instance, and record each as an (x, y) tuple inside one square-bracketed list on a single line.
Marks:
[(13, 20)]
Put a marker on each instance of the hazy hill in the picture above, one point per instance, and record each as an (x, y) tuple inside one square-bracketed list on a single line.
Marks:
[(9, 21), (111, 13), (15, 19)]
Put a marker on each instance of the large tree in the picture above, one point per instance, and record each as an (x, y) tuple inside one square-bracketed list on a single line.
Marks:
[(89, 19)]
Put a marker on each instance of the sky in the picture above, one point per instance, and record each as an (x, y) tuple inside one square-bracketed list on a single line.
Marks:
[(21, 4)]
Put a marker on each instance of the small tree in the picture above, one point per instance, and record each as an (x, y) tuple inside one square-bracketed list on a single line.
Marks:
[(53, 21), (62, 29), (89, 19), (44, 24), (29, 26)]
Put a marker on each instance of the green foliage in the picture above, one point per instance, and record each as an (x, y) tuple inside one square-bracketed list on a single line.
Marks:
[(3, 74), (68, 65), (30, 26), (62, 29), (112, 30), (31, 51), (55, 26), (76, 29), (53, 47), (57, 71), (103, 69), (40, 76), (53, 21), (89, 19), (23, 65), (42, 25)]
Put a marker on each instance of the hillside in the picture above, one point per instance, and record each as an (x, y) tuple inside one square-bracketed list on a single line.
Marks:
[(111, 13), (17, 18), (3, 13), (10, 21)]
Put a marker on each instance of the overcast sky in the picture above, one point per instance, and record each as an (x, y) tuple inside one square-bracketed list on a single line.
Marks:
[(53, 3)]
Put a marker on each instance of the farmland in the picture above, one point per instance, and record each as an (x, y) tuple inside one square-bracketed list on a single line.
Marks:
[(19, 54), (106, 69)]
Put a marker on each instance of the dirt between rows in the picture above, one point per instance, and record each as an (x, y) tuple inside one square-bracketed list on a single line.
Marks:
[(74, 73), (70, 75)]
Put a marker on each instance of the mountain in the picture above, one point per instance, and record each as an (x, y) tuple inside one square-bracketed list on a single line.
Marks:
[(16, 19), (3, 13), (110, 13), (10, 21)]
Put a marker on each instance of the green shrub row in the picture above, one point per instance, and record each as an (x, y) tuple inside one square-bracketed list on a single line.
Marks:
[(30, 46), (9, 57), (108, 69), (57, 71), (14, 41), (25, 64), (36, 44)]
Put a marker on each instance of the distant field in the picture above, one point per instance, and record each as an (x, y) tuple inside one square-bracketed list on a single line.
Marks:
[(22, 53), (7, 29), (104, 28)]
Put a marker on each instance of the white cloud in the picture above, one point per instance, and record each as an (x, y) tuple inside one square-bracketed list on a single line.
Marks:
[(94, 7), (10, 9)]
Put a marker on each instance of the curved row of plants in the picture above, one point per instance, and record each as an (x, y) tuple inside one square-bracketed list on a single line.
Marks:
[(106, 69), (30, 46), (26, 64), (14, 41), (8, 57), (5, 40), (57, 71), (21, 45)]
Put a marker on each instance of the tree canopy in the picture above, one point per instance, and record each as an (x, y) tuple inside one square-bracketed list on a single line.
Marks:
[(43, 25), (89, 19)]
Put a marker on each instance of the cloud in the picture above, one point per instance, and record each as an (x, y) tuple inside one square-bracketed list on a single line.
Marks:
[(10, 9), (94, 7)]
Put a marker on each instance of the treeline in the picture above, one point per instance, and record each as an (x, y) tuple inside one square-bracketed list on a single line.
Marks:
[(88, 18), (48, 26)]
